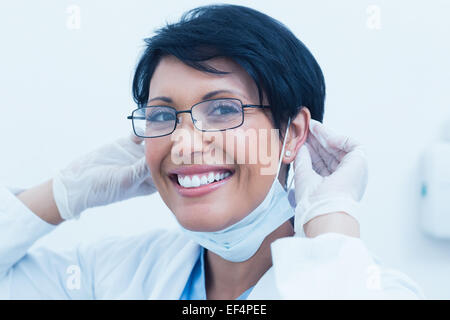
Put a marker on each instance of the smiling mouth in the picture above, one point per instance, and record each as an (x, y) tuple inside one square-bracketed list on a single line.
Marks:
[(201, 179)]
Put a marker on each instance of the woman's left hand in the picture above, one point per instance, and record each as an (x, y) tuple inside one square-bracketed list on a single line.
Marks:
[(330, 179)]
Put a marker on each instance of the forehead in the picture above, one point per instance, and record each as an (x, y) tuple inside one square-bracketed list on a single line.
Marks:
[(174, 78)]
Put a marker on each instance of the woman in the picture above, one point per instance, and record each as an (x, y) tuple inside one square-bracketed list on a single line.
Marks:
[(210, 91)]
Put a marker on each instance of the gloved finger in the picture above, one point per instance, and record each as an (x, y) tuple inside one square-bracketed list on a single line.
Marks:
[(130, 181), (303, 171), (135, 138), (318, 158), (142, 171), (356, 158), (321, 137), (353, 170), (137, 150), (329, 159), (144, 177), (327, 138), (302, 161), (132, 175)]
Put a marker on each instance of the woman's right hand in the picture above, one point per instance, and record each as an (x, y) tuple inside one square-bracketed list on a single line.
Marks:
[(112, 173)]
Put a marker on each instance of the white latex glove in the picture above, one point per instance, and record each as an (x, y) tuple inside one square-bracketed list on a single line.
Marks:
[(330, 174), (114, 172)]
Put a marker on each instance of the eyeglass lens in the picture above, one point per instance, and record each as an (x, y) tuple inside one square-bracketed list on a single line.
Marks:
[(211, 115)]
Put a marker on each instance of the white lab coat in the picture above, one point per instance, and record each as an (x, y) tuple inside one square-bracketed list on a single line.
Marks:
[(157, 264)]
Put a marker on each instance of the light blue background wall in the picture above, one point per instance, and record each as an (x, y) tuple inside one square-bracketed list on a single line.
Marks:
[(66, 91)]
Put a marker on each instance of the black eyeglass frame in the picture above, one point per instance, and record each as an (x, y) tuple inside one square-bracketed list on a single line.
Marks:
[(131, 117)]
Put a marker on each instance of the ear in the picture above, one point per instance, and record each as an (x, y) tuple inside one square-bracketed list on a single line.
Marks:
[(298, 132)]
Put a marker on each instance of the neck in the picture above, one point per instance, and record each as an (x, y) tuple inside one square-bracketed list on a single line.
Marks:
[(228, 280)]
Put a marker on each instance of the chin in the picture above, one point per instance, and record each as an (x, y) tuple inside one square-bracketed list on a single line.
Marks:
[(199, 218)]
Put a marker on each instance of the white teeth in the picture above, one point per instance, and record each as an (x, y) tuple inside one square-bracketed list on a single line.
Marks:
[(187, 182), (210, 177), (196, 180)]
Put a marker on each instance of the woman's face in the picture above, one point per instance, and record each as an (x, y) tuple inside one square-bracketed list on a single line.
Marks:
[(216, 205)]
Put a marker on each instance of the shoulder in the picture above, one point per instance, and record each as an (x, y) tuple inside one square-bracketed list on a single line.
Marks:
[(126, 264), (128, 252), (124, 246), (336, 266)]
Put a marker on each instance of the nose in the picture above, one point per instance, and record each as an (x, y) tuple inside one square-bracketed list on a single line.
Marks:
[(188, 141), (188, 121)]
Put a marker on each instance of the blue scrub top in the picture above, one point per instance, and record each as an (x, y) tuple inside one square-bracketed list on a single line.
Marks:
[(195, 288)]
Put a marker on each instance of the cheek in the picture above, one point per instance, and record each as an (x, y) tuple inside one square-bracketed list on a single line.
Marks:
[(257, 146), (256, 154), (149, 156), (155, 152)]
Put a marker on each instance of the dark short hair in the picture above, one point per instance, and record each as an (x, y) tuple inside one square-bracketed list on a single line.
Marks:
[(279, 63)]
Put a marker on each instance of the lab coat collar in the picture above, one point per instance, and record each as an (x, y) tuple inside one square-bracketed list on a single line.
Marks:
[(175, 277), (265, 288)]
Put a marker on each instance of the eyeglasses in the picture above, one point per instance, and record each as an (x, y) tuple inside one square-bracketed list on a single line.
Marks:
[(208, 115)]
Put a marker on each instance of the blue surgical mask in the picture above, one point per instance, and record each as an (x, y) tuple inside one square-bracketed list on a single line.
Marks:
[(240, 241)]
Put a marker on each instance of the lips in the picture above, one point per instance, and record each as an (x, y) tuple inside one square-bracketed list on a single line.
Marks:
[(197, 180)]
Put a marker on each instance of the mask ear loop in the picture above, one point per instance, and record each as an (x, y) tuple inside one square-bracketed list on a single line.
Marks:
[(292, 177), (290, 183), (282, 149), (279, 165)]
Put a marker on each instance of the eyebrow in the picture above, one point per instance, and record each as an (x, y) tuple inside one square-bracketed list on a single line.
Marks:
[(205, 97)]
